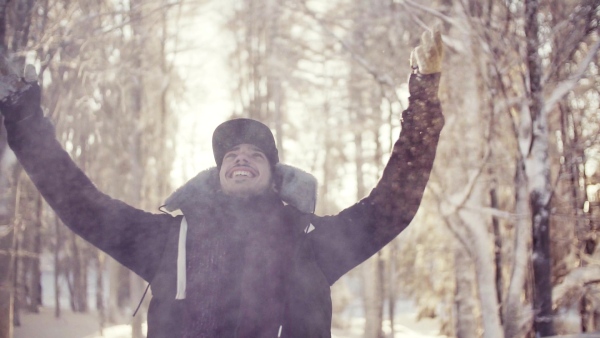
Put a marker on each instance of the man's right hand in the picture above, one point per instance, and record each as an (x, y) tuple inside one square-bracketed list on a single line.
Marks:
[(20, 97)]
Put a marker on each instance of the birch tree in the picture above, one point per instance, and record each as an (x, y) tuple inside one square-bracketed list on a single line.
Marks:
[(538, 177)]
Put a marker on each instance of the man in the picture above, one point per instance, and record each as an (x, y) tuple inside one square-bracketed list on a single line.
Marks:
[(248, 258)]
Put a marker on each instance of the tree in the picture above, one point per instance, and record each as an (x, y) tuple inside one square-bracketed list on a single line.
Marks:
[(86, 55), (9, 169), (538, 177)]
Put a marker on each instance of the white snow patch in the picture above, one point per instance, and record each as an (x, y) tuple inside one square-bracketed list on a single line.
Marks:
[(78, 325), (405, 326), (118, 331)]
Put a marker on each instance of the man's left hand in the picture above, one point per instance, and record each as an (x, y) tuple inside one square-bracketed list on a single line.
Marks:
[(427, 57)]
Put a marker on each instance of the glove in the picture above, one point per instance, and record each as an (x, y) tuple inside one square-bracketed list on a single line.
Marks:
[(20, 97), (427, 58)]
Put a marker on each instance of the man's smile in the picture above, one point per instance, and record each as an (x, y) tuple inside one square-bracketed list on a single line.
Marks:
[(244, 171)]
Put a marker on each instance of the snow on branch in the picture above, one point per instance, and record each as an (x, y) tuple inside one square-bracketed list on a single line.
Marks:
[(448, 207), (492, 212), (566, 86), (574, 280)]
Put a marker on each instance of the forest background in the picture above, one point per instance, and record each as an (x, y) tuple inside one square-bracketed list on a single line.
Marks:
[(506, 241)]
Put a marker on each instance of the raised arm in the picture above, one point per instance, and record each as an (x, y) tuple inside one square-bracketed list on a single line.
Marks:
[(133, 237), (345, 240)]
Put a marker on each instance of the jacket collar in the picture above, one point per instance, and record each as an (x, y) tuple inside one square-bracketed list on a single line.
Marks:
[(296, 188)]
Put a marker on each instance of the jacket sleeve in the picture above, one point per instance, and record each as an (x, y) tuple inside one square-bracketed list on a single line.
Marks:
[(343, 241), (133, 237)]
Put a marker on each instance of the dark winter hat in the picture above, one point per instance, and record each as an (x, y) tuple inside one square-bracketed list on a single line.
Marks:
[(235, 132)]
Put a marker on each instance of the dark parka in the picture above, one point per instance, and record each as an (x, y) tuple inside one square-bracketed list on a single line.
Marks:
[(146, 243)]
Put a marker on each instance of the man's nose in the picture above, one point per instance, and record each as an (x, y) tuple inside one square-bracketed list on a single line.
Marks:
[(241, 158)]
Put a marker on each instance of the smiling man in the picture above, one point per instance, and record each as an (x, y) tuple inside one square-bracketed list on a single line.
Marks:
[(248, 258), (246, 154), (245, 171)]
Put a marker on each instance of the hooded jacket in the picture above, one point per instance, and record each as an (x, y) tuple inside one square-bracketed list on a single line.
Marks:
[(148, 243)]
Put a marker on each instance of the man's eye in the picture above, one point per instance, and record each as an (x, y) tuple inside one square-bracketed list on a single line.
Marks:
[(230, 155), (258, 155)]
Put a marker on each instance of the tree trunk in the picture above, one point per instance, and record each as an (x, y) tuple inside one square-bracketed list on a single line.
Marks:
[(7, 244), (136, 152), (324, 207), (100, 289), (7, 163), (373, 297), (391, 286), (137, 290), (513, 308), (35, 281), (372, 284), (464, 296), (497, 248), (57, 266), (477, 225), (113, 307), (484, 263), (574, 164), (8, 237), (538, 173), (17, 270), (78, 283), (6, 290)]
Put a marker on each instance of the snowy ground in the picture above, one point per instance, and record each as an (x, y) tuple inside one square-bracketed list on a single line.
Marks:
[(405, 326), (69, 325), (74, 325)]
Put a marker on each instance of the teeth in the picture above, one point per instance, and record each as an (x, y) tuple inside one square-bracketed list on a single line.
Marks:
[(241, 173)]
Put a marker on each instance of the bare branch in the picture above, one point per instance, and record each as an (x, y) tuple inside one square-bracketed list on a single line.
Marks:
[(384, 79), (431, 11), (458, 200), (452, 223), (492, 212), (575, 279), (566, 86)]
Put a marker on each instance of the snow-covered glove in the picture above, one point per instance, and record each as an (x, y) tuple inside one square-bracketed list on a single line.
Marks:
[(20, 96), (427, 58)]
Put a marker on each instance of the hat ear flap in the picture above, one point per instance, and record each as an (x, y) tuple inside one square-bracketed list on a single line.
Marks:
[(205, 182), (296, 187)]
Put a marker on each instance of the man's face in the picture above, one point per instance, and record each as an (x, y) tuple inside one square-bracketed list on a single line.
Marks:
[(245, 171)]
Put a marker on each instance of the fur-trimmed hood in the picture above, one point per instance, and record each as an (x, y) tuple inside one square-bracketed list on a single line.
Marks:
[(296, 188)]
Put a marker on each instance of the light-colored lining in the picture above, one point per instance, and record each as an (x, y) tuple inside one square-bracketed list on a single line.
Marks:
[(181, 275)]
